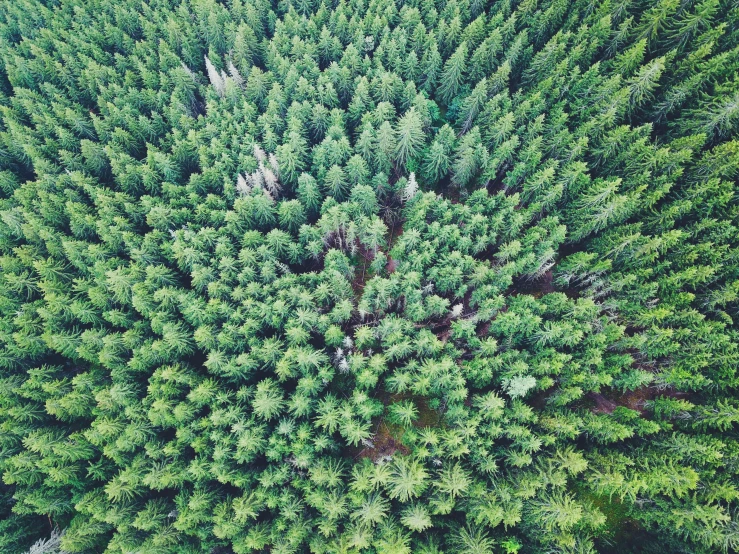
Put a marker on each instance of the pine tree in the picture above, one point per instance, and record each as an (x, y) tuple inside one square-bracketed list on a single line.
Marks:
[(453, 74), (410, 137)]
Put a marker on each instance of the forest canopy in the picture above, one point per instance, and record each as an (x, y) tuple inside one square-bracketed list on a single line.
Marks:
[(369, 276)]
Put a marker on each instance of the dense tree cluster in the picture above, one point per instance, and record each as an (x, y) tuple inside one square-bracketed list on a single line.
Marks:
[(382, 276)]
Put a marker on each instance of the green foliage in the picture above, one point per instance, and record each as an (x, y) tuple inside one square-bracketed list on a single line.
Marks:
[(427, 276)]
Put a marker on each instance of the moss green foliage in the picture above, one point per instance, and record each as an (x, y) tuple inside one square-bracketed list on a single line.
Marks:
[(369, 276)]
